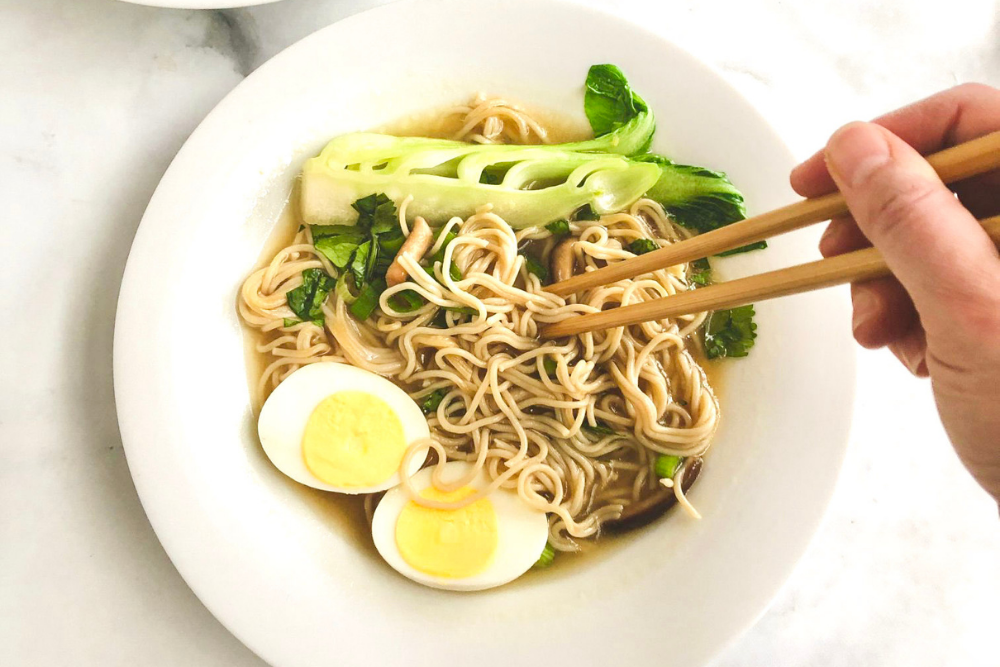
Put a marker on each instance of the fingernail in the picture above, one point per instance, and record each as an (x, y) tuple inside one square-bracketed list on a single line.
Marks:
[(865, 307), (855, 151), (911, 356), (915, 362)]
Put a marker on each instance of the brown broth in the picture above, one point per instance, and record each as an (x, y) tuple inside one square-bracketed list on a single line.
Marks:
[(284, 231), (345, 512)]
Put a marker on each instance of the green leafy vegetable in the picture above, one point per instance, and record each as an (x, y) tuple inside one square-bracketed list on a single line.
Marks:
[(440, 319), (385, 219), (432, 400), (609, 101), (730, 333), (287, 322), (390, 243), (695, 197), (701, 278), (642, 246), (546, 558), (535, 267), (759, 245), (337, 249), (464, 310), (586, 213), (550, 365), (527, 185), (453, 271), (406, 301), (666, 466), (307, 299), (559, 228), (600, 428), (367, 208), (365, 250), (359, 265), (367, 299), (700, 272), (372, 261), (328, 231)]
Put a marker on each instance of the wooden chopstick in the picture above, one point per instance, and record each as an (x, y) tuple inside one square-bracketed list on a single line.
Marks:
[(952, 164), (856, 266)]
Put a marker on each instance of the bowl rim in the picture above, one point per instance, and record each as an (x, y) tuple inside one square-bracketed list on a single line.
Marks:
[(200, 4)]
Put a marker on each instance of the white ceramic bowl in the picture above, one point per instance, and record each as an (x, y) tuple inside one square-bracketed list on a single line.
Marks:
[(200, 4), (293, 583)]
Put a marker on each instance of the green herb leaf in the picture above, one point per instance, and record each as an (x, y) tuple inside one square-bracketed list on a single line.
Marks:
[(307, 299), (600, 428), (337, 249), (359, 265), (550, 365), (440, 319), (385, 219), (464, 310), (730, 333), (536, 268), (432, 400), (406, 301), (367, 207), (609, 101), (290, 322), (327, 231), (759, 245), (701, 278), (453, 271), (559, 228), (700, 272), (546, 558), (586, 212), (367, 300), (642, 246), (372, 260), (666, 466), (391, 242)]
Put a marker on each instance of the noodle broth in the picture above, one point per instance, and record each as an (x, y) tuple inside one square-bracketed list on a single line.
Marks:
[(349, 512)]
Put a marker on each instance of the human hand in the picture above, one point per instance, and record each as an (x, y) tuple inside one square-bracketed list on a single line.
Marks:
[(940, 313)]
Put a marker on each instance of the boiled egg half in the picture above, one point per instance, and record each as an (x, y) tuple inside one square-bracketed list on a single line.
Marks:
[(489, 542), (340, 428)]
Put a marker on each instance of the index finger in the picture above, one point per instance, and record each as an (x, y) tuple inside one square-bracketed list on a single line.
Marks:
[(947, 118)]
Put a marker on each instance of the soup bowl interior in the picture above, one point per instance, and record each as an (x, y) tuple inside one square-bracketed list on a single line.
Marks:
[(284, 569)]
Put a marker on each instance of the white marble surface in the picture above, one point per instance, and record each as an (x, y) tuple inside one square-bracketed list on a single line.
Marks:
[(96, 96)]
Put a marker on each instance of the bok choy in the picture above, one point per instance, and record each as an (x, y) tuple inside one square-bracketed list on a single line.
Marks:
[(527, 185)]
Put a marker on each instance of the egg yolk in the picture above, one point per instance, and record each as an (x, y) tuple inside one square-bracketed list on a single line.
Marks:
[(448, 543), (353, 439)]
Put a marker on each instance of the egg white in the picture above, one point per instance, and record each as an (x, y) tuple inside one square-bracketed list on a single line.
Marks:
[(521, 533), (286, 412)]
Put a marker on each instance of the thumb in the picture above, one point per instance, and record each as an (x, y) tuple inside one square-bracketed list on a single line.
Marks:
[(931, 243)]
